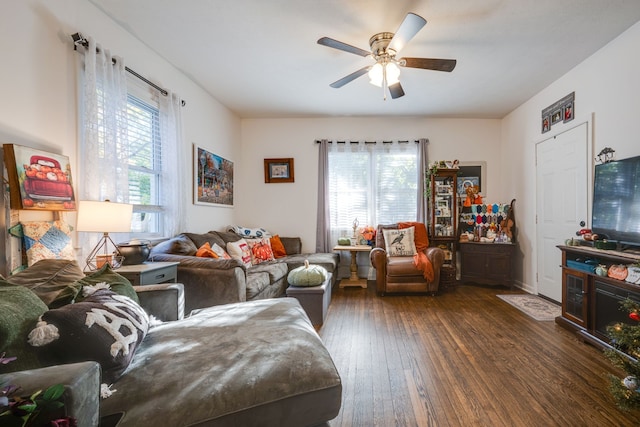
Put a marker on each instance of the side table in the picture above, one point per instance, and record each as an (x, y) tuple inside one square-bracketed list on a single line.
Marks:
[(150, 273), (353, 280)]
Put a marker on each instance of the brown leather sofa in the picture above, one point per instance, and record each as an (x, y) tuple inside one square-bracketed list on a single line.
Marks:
[(398, 274)]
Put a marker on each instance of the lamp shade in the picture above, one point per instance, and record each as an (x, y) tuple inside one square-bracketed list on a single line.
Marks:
[(104, 217)]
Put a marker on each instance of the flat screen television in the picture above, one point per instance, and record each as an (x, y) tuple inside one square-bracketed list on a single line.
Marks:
[(616, 201)]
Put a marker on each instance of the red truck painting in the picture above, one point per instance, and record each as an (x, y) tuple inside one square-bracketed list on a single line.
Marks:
[(44, 179)]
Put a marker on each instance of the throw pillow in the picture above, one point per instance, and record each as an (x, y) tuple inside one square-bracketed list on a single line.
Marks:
[(220, 252), (105, 327), (399, 242), (240, 250), (249, 232), (260, 250), (179, 245), (47, 239), (421, 237), (19, 312), (52, 280), (118, 284), (205, 251), (277, 247)]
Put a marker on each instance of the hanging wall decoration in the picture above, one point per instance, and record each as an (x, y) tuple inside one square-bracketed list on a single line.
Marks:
[(561, 110), (38, 180), (213, 180)]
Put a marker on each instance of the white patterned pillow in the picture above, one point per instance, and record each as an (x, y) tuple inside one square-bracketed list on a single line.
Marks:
[(47, 240), (249, 232), (400, 242), (240, 250)]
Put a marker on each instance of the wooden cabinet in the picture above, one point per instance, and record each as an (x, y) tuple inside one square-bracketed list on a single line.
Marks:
[(591, 303), (443, 213), (575, 297), (487, 263)]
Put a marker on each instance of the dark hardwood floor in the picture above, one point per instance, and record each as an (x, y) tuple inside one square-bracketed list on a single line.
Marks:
[(462, 358)]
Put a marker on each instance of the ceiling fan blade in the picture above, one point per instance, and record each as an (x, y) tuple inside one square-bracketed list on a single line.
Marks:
[(410, 26), (429, 63), (329, 42), (396, 90), (343, 81)]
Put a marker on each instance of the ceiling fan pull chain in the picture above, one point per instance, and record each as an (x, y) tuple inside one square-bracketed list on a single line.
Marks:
[(384, 82)]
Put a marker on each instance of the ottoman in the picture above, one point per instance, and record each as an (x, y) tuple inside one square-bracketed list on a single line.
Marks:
[(314, 299)]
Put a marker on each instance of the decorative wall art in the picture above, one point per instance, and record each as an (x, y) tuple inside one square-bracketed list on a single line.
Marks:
[(213, 179), (471, 173), (278, 170), (561, 110), (38, 180)]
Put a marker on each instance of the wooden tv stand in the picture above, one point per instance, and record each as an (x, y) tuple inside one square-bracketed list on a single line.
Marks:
[(590, 302)]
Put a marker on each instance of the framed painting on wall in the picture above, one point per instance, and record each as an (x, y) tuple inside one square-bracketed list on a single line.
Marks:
[(38, 180), (213, 179), (278, 170)]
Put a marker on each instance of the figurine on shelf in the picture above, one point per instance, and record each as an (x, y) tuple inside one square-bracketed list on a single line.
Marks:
[(473, 194)]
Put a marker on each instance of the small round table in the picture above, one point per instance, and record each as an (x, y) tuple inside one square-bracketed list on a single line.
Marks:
[(353, 280)]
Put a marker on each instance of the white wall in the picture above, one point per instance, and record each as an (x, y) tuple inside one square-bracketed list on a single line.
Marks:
[(38, 79), (289, 209), (607, 85)]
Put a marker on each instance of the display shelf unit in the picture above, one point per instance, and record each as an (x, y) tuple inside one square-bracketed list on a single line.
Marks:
[(591, 303), (443, 217)]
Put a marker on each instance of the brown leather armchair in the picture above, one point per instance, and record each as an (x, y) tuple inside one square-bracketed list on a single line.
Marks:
[(399, 274)]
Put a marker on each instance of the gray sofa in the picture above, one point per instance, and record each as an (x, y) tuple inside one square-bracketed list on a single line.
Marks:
[(253, 363), (208, 281)]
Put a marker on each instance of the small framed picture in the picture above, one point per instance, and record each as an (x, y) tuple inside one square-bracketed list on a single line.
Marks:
[(546, 124), (556, 116), (278, 170), (568, 112)]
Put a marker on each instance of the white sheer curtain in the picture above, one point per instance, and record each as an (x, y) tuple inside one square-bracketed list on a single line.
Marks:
[(103, 151), (173, 197), (377, 183)]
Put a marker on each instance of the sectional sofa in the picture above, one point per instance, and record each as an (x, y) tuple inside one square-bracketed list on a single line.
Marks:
[(214, 281)]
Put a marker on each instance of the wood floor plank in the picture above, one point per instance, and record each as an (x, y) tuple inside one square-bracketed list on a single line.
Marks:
[(464, 357)]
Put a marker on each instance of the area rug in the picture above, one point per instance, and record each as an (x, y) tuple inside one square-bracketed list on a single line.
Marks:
[(533, 306)]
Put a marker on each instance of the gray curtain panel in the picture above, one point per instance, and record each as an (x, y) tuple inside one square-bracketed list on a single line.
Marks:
[(323, 240), (423, 157)]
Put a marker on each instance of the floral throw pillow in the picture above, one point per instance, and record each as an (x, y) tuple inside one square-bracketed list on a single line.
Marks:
[(240, 250), (400, 242), (47, 240), (260, 250)]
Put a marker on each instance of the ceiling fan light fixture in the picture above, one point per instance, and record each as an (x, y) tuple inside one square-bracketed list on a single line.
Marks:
[(378, 71), (375, 75)]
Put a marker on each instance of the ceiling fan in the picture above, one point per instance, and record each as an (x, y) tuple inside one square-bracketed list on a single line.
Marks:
[(384, 48)]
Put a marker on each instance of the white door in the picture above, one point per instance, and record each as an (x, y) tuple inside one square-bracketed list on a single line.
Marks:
[(561, 202)]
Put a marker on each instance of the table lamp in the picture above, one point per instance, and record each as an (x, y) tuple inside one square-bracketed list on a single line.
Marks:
[(104, 217)]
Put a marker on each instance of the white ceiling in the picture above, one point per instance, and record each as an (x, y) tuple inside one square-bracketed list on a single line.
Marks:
[(260, 57)]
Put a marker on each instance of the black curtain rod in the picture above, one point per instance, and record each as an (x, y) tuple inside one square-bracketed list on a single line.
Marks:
[(79, 40), (368, 142)]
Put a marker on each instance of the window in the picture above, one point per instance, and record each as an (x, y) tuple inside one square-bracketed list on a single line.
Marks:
[(145, 165), (375, 183)]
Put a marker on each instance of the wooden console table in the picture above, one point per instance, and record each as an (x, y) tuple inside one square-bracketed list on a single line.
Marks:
[(353, 280)]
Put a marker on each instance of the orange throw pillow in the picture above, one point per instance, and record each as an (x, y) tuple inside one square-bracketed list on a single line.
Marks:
[(421, 237), (205, 251), (277, 247)]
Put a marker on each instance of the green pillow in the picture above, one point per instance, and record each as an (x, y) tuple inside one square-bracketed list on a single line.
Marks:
[(19, 312), (118, 284)]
